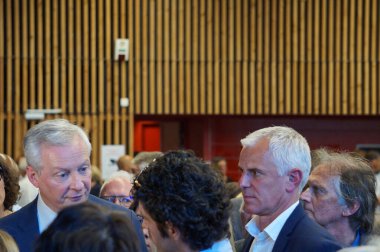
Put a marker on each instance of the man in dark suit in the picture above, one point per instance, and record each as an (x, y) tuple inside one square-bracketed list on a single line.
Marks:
[(275, 163), (58, 157)]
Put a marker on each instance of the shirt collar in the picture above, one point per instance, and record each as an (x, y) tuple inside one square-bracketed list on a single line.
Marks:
[(44, 214), (357, 239), (274, 228)]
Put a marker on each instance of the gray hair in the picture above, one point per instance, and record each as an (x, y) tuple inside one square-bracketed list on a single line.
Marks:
[(287, 148), (356, 182), (57, 132)]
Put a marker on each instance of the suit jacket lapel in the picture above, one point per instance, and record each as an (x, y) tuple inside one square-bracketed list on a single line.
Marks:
[(287, 229)]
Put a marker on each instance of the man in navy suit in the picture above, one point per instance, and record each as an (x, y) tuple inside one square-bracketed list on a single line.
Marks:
[(275, 164), (58, 157)]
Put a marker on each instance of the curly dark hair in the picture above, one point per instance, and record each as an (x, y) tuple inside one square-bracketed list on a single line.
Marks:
[(88, 227), (9, 174), (180, 188)]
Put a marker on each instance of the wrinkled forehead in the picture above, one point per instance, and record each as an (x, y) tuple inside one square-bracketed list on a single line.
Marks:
[(324, 175)]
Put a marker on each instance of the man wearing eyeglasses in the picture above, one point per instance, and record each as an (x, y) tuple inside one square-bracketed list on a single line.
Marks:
[(117, 188)]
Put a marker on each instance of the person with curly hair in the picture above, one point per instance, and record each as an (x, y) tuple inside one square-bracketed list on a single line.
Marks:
[(183, 204), (9, 188)]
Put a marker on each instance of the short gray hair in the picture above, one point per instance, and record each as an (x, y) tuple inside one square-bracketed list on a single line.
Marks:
[(57, 132), (287, 148)]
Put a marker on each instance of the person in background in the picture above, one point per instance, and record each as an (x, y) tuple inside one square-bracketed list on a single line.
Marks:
[(7, 243), (96, 180), (275, 163), (58, 156), (341, 196), (183, 204), (89, 228), (124, 163), (9, 187), (117, 187), (144, 158), (28, 191), (219, 163)]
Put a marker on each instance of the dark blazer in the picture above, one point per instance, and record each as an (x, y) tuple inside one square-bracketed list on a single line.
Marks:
[(300, 233), (22, 225)]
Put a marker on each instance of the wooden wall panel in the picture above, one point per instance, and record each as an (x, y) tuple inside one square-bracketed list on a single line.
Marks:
[(187, 57)]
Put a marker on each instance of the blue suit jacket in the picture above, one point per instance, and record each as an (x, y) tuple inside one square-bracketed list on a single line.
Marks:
[(300, 233), (23, 224)]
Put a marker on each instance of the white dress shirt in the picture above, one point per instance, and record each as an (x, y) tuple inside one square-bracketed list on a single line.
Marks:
[(220, 246), (44, 214), (264, 240)]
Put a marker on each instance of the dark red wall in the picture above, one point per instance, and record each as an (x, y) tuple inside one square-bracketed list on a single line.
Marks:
[(220, 135)]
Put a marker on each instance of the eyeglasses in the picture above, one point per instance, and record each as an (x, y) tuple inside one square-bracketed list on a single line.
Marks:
[(122, 199)]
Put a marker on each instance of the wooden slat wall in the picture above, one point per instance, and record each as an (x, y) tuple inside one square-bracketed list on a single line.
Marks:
[(187, 57)]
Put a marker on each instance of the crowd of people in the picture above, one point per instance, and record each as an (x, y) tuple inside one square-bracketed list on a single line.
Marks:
[(288, 197)]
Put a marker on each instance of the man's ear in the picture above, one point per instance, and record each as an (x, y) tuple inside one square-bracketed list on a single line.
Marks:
[(350, 210), (173, 232), (294, 179), (33, 176)]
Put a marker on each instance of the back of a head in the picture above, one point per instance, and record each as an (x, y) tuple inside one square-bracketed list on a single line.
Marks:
[(89, 228), (7, 243), (57, 132), (356, 183), (144, 158), (287, 148), (9, 173), (372, 155), (176, 183)]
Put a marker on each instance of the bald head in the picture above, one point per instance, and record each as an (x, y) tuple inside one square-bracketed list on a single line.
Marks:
[(117, 190), (124, 163)]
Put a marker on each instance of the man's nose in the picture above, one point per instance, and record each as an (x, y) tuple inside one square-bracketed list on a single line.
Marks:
[(76, 182), (244, 180)]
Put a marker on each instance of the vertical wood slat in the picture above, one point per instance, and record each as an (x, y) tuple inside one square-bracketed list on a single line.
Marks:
[(223, 57), (195, 56), (375, 89), (3, 23), (273, 60), (323, 58), (302, 58), (351, 58), (260, 58), (330, 66), (108, 70), (152, 56), (338, 59), (144, 53), (281, 59), (115, 79), (288, 72), (209, 58), (366, 64), (359, 57), (166, 57), (159, 75), (173, 57), (295, 56), (245, 57), (217, 58), (202, 57), (345, 59)]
